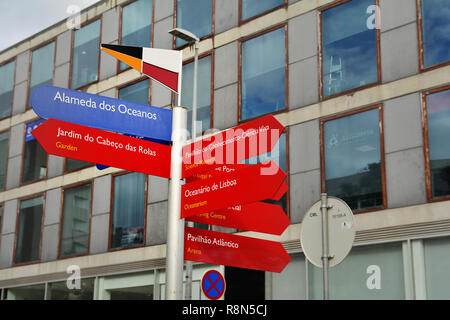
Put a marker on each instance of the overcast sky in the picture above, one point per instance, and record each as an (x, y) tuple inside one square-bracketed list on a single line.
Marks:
[(19, 19)]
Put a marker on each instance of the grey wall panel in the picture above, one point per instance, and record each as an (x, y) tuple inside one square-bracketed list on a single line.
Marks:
[(303, 36), (304, 191), (161, 96), (16, 140), (161, 38), (158, 189), (108, 65), (53, 206), (156, 231), (9, 217), (226, 15), (50, 239), (304, 147), (225, 107), (396, 13), (55, 166), (163, 9), (226, 65), (405, 178), (399, 54), (63, 47), (99, 233), (101, 201), (13, 172), (20, 98), (110, 25), (303, 83), (402, 120), (6, 250), (22, 66), (61, 78)]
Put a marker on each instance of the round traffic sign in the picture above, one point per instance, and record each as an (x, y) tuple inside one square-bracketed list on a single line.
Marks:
[(341, 232), (213, 284)]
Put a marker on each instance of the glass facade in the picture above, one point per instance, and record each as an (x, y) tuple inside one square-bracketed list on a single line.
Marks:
[(42, 66), (6, 89), (28, 242), (136, 25), (138, 92), (86, 46), (34, 157), (76, 221), (438, 124), (263, 74), (435, 32), (194, 16), (203, 93), (128, 214), (251, 8), (349, 48), (352, 158)]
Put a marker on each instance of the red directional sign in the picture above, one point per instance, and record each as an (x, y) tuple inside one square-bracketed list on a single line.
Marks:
[(74, 141), (231, 146), (252, 184), (232, 250), (258, 216)]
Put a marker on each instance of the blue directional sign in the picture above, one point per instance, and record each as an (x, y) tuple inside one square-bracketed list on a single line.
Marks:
[(102, 112)]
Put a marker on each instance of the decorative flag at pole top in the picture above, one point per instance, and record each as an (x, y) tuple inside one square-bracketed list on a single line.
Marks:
[(161, 65)]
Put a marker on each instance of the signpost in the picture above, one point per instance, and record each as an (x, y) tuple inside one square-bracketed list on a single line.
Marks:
[(69, 140), (232, 146), (257, 216), (102, 112), (233, 250), (327, 234), (244, 186)]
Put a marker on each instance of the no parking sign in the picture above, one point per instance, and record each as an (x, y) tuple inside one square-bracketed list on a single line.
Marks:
[(213, 284)]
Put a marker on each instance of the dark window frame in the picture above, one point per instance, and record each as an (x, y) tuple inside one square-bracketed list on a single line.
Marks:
[(7, 162), (426, 146), (239, 95), (320, 56), (382, 153), (86, 23), (111, 213), (244, 21), (14, 264), (208, 36), (422, 67), (61, 216), (152, 31)]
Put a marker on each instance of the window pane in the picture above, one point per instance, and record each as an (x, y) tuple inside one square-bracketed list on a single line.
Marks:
[(85, 55), (437, 264), (263, 75), (42, 66), (4, 137), (438, 119), (6, 89), (29, 230), (35, 292), (1, 214), (75, 224), (436, 34), (73, 164), (59, 291), (128, 210), (138, 92), (203, 93), (353, 159), (35, 157), (349, 48), (252, 8), (194, 16), (367, 273), (136, 25)]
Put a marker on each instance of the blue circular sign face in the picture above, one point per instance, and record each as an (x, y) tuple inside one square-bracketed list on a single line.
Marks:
[(213, 285)]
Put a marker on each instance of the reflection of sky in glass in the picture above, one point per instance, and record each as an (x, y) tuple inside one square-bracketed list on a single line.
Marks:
[(194, 16), (137, 92), (42, 66), (263, 74), (136, 25), (436, 31), (349, 48), (252, 8), (6, 86), (351, 143), (203, 93)]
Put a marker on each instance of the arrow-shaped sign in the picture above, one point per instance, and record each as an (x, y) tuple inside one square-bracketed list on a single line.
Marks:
[(232, 146), (232, 250), (100, 112), (258, 216), (74, 141), (252, 184)]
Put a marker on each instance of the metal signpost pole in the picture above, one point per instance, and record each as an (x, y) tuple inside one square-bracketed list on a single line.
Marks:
[(175, 225), (325, 253)]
